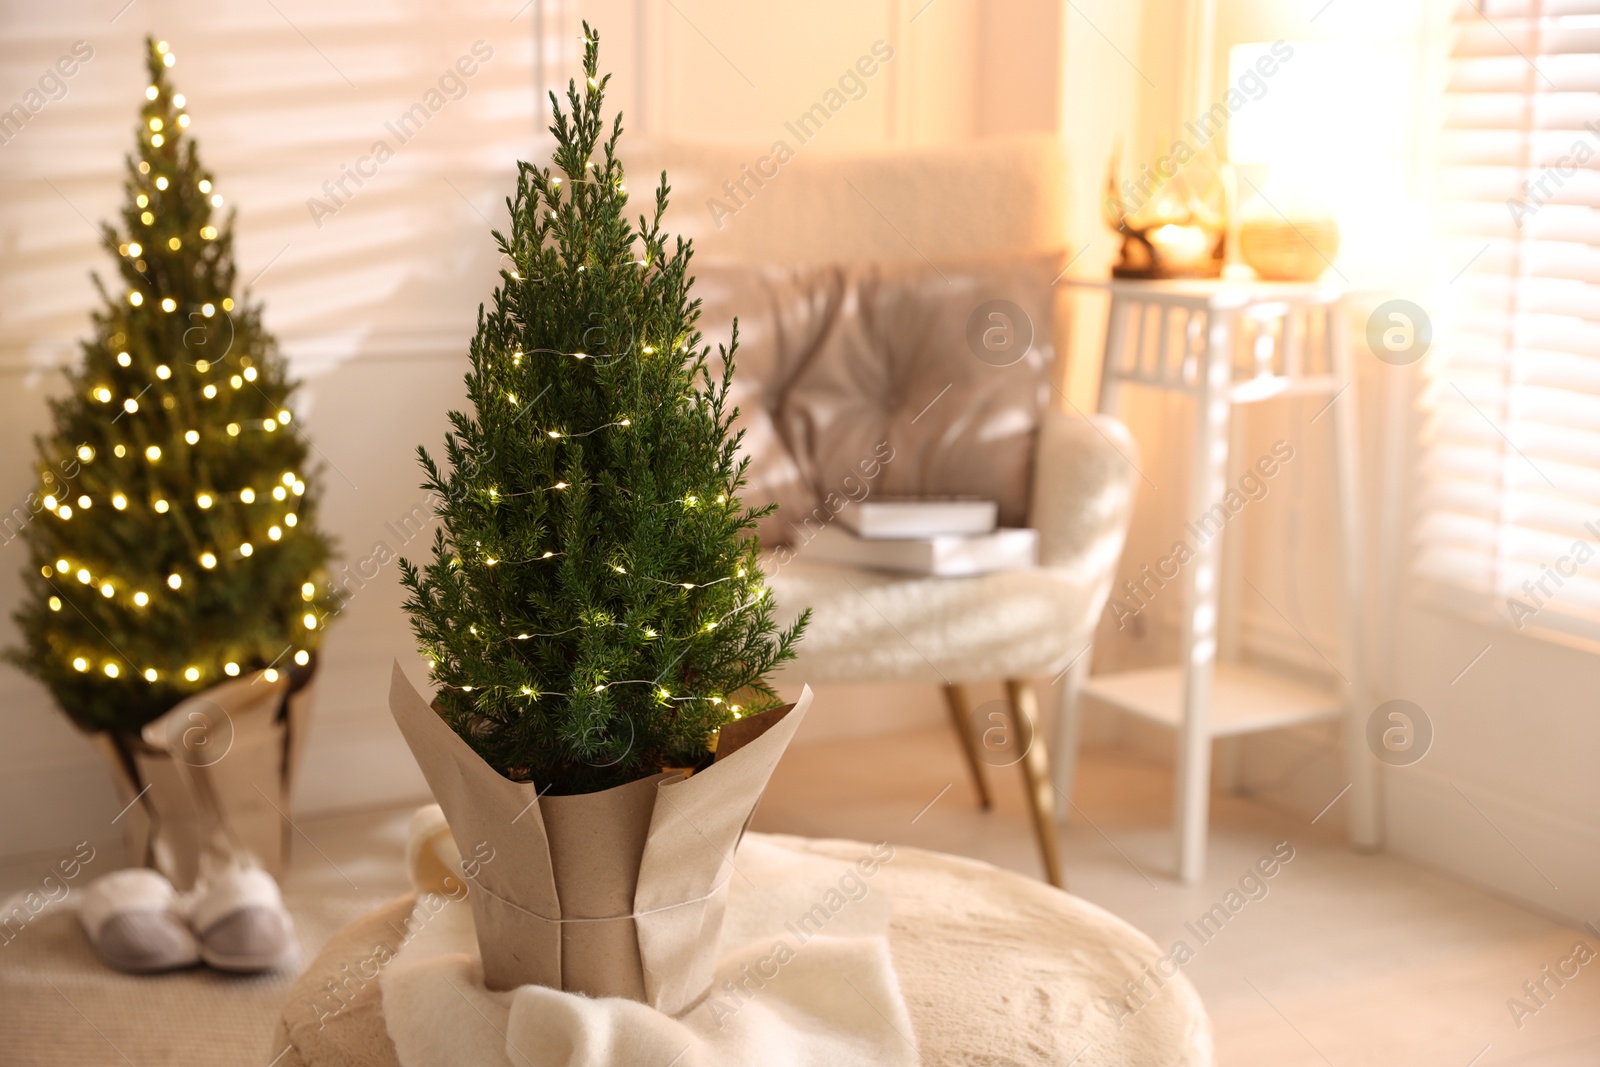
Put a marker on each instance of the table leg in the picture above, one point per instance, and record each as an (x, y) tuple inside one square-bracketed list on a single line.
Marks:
[(1365, 811), (1207, 484)]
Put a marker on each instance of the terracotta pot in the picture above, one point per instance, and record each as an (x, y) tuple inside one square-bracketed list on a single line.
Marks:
[(212, 773), (619, 893)]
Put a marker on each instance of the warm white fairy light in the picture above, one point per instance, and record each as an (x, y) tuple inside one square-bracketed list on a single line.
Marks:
[(174, 581), (161, 183), (247, 495), (279, 493), (103, 395), (141, 599), (291, 519), (161, 507), (310, 621), (231, 669), (249, 374), (168, 304), (135, 298), (208, 560), (191, 674), (208, 309), (130, 405), (302, 657), (233, 431), (107, 591), (119, 451), (236, 381), (150, 674), (210, 392), (55, 603), (124, 359), (192, 437), (204, 500), (151, 92), (163, 372), (119, 501), (79, 663), (153, 453), (308, 591)]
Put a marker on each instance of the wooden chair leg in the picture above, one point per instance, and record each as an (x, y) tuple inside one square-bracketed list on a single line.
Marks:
[(1064, 764), (955, 699), (1024, 701)]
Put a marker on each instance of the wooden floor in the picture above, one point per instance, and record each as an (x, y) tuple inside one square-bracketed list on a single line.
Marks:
[(1346, 960)]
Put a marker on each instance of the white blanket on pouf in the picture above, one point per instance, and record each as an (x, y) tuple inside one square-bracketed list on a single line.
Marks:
[(804, 979)]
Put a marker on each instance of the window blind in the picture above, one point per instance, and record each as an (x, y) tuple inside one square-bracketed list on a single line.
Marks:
[(1510, 506), (358, 252)]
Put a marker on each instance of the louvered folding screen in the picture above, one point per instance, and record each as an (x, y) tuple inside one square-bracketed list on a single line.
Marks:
[(1511, 458)]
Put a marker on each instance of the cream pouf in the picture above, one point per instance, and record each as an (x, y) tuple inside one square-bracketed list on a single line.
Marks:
[(995, 968)]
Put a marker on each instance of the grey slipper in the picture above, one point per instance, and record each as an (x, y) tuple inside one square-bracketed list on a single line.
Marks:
[(132, 923), (242, 924)]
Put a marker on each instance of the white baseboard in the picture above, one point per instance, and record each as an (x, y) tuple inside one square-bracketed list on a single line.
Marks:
[(1544, 860)]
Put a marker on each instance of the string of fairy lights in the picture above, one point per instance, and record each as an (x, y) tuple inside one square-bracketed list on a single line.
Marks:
[(281, 498), (689, 501)]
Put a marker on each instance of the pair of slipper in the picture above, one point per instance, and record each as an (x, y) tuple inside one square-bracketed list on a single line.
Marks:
[(138, 923)]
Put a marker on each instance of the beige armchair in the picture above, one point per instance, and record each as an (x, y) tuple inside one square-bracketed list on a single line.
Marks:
[(856, 382)]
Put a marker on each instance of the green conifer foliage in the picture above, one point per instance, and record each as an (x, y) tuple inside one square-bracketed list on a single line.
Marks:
[(594, 610), (174, 543)]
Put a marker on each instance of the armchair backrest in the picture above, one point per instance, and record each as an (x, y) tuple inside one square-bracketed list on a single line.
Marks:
[(848, 331), (879, 380)]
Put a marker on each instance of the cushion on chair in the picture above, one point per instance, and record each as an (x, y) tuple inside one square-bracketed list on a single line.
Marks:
[(881, 627), (875, 626), (856, 381)]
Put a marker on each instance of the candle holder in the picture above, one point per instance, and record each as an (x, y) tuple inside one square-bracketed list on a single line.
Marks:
[(1171, 226)]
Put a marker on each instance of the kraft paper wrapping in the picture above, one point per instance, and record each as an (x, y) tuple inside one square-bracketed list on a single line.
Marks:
[(619, 893)]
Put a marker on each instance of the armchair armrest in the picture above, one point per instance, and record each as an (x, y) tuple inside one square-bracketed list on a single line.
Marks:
[(1084, 480)]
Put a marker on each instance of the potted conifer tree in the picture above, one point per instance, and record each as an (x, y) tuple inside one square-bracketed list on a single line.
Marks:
[(175, 596), (594, 613)]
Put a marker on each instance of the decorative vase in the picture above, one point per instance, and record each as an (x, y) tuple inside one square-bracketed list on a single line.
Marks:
[(213, 773), (619, 893)]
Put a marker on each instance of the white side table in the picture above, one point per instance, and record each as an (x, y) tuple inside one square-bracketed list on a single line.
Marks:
[(1226, 343)]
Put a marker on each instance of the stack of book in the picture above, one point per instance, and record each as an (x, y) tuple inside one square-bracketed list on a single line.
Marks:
[(935, 537)]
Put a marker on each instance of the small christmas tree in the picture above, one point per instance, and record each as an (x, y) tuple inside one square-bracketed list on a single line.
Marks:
[(594, 610), (177, 544)]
